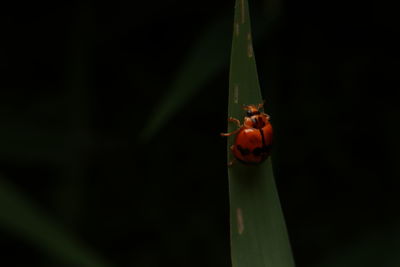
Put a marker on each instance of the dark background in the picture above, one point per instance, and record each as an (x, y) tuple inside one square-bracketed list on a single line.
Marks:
[(81, 80)]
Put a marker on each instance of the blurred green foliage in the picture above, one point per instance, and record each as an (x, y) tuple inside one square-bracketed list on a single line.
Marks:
[(23, 219)]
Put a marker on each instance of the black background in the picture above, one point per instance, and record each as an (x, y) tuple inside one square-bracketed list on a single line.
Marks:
[(80, 80)]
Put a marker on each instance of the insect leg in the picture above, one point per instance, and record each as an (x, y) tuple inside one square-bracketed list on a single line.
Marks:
[(231, 119), (231, 133), (261, 105)]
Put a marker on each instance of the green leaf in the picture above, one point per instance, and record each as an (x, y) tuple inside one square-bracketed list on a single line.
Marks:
[(258, 233), (21, 218)]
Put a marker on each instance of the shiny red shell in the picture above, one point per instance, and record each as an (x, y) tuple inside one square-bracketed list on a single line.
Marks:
[(254, 139)]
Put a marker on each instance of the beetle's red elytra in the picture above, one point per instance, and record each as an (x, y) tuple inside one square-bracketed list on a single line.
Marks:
[(253, 140)]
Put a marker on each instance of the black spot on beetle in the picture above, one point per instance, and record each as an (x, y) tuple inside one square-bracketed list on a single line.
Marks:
[(243, 151), (260, 122), (250, 113), (262, 137), (258, 151)]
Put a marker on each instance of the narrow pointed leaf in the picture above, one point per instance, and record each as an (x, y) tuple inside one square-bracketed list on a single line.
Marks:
[(258, 232), (20, 217)]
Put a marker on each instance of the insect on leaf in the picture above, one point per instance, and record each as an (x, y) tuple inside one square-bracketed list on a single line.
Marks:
[(258, 233)]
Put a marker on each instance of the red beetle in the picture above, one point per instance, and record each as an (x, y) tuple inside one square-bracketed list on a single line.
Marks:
[(254, 138)]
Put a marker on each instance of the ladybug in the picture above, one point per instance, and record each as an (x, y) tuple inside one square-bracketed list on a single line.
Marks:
[(254, 138)]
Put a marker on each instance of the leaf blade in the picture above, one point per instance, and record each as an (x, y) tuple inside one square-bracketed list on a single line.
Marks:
[(19, 216), (258, 233)]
